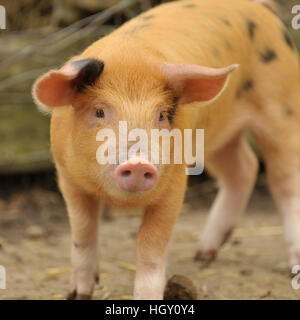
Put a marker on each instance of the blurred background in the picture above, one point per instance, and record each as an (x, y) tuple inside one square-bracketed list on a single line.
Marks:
[(34, 233)]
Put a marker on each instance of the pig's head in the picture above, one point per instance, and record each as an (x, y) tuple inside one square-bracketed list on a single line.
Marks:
[(99, 94)]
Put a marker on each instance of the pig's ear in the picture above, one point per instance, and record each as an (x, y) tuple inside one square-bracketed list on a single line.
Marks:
[(58, 87), (193, 83)]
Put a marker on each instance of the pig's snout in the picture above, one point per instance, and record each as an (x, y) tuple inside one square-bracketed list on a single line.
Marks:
[(136, 176)]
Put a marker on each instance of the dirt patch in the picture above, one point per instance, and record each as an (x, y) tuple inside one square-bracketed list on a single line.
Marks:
[(35, 241)]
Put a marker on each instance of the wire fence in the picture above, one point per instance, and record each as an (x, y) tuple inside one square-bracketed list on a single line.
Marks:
[(24, 138)]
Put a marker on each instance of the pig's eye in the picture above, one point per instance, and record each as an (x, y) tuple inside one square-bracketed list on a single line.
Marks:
[(100, 113), (162, 116)]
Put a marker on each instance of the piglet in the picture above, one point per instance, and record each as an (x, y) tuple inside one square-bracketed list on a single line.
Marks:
[(222, 66)]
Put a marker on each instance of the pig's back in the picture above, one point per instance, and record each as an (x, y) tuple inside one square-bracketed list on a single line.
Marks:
[(214, 33)]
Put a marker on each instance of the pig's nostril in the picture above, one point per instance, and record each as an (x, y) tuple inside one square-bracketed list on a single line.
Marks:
[(126, 173), (136, 177), (148, 175)]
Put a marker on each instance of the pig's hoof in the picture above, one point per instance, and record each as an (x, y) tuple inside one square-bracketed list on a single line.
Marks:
[(205, 256), (74, 296)]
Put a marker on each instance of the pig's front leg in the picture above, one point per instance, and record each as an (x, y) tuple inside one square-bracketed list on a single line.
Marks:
[(84, 215), (152, 242)]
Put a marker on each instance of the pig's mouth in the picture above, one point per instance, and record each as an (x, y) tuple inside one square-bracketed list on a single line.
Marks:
[(136, 174)]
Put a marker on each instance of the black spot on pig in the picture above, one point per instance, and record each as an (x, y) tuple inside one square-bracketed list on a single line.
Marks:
[(137, 28), (228, 45), (246, 86), (287, 111), (189, 6), (288, 39), (268, 55), (89, 71), (216, 52), (226, 22), (251, 25)]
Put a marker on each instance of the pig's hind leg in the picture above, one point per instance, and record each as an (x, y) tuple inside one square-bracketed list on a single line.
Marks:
[(279, 140), (235, 166), (83, 212)]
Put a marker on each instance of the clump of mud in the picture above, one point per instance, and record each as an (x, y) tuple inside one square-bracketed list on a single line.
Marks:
[(180, 288)]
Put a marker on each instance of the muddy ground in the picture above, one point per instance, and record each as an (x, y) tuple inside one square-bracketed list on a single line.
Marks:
[(35, 240)]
